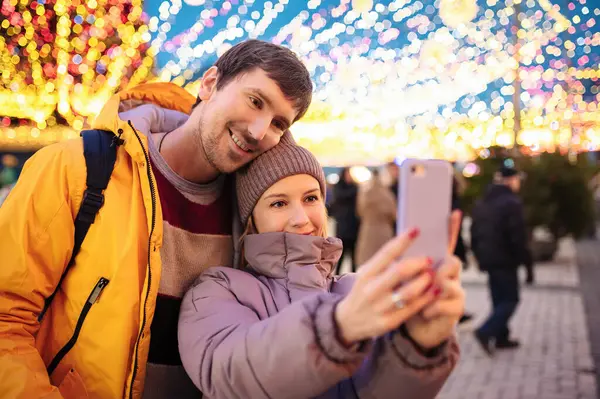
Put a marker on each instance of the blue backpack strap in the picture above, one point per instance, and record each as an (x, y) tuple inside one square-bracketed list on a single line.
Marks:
[(100, 152)]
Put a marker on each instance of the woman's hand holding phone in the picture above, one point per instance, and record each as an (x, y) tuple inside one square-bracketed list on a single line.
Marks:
[(437, 322), (376, 304), (429, 303)]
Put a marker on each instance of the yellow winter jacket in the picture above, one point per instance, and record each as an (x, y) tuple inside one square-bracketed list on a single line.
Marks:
[(109, 354)]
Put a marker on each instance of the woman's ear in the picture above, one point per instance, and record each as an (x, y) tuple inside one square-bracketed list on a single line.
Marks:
[(251, 227), (208, 85)]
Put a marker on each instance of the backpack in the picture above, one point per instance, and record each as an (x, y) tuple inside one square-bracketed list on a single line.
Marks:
[(100, 153)]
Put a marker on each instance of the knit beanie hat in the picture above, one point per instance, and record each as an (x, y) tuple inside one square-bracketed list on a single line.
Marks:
[(284, 160)]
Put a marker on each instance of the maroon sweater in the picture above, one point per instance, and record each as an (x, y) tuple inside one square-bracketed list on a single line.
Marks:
[(197, 234)]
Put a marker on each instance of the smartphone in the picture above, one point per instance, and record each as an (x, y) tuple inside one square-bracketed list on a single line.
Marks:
[(424, 201)]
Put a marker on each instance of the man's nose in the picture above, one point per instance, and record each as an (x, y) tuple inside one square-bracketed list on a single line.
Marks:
[(259, 128)]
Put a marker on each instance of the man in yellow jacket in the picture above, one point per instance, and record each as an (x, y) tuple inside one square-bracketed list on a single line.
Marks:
[(167, 215)]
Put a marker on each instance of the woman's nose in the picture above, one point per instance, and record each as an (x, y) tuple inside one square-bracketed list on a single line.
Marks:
[(299, 217)]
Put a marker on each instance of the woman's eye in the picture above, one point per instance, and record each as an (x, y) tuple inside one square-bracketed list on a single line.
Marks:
[(277, 204), (312, 198), (278, 125)]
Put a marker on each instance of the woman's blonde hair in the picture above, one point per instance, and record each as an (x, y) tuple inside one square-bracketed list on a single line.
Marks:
[(251, 229)]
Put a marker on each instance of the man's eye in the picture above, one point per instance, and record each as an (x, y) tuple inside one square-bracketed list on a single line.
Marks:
[(279, 125), (256, 102)]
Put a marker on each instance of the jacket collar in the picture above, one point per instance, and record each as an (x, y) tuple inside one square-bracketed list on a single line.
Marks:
[(305, 263), (498, 190)]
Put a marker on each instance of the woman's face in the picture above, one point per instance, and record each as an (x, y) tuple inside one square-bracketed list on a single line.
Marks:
[(292, 205)]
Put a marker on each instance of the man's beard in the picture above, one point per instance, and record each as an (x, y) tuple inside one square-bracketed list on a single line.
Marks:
[(223, 160), (210, 146), (207, 143)]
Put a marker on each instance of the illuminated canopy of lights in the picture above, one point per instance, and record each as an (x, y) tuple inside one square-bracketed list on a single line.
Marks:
[(410, 77)]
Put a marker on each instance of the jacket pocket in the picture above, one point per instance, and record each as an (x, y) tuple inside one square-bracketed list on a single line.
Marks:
[(72, 386), (92, 298)]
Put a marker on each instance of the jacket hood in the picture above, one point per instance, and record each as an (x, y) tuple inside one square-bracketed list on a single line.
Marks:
[(305, 262), (166, 97)]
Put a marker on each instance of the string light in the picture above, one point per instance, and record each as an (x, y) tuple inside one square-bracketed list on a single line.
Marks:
[(443, 70), (62, 59), (401, 77)]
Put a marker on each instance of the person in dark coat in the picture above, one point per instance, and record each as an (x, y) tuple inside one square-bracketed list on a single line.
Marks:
[(499, 242), (460, 250), (343, 210), (393, 170)]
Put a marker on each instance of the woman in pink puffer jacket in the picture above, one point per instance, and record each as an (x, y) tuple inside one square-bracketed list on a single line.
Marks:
[(283, 326)]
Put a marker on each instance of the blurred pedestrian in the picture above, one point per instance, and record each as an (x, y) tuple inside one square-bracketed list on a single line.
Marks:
[(393, 171), (4, 191), (343, 210), (499, 242), (376, 209), (460, 250), (594, 186)]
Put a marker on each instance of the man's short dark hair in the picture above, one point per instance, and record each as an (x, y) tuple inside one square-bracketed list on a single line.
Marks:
[(278, 62)]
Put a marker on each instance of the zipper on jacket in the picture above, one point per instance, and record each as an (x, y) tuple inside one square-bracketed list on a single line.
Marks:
[(92, 298), (153, 195)]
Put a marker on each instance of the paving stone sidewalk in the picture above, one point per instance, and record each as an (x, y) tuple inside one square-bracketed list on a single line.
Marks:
[(554, 361), (588, 260)]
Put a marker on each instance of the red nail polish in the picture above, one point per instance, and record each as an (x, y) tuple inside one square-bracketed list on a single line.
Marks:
[(437, 291), (429, 287), (413, 233)]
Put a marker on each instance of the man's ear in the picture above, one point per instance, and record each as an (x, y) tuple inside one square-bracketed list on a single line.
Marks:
[(208, 85)]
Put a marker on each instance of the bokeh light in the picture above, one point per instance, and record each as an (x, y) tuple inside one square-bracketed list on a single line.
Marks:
[(61, 61), (426, 78)]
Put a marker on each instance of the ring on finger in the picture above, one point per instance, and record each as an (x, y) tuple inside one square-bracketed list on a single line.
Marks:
[(397, 300)]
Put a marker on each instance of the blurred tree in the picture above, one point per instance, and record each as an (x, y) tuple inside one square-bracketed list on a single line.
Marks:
[(555, 194), (558, 188)]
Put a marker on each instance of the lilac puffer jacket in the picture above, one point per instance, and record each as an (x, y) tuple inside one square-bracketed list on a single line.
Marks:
[(269, 331)]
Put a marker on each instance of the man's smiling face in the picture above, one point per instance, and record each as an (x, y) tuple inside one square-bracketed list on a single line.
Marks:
[(241, 120)]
